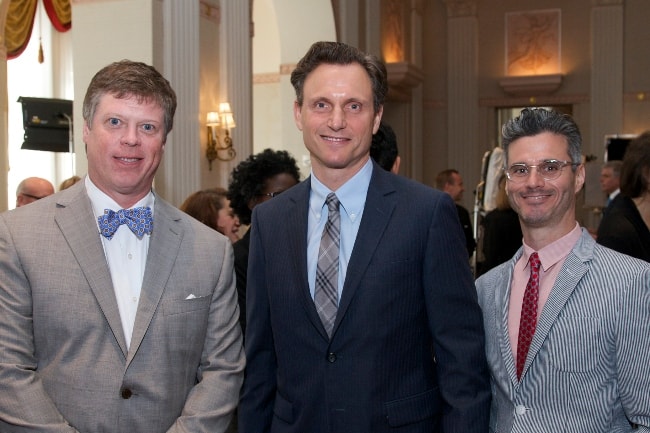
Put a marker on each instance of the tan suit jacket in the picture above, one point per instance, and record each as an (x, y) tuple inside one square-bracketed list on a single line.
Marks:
[(64, 366)]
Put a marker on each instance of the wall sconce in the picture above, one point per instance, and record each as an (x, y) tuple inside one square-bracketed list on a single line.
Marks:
[(225, 120)]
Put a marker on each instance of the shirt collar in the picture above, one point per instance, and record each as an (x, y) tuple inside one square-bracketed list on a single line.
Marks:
[(101, 200), (351, 195), (555, 251)]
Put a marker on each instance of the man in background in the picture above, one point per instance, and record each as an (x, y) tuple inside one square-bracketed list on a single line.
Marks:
[(567, 321), (119, 311), (610, 175), (383, 148), (451, 182), (32, 189)]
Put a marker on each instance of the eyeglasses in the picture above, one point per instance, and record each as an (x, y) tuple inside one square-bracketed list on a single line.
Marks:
[(549, 170), (270, 194), (35, 197)]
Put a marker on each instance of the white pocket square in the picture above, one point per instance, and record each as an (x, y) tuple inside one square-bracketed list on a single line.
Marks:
[(190, 296)]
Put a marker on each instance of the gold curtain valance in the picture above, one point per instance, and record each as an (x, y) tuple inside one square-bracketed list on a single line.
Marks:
[(20, 22)]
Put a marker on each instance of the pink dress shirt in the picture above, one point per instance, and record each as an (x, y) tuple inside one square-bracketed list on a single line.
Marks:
[(552, 257)]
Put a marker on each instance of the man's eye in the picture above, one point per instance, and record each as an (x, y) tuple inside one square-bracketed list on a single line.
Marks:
[(114, 121), (320, 105), (518, 169), (148, 127), (355, 107), (550, 167)]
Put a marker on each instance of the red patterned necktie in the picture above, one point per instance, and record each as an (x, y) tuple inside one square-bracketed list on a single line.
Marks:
[(528, 320)]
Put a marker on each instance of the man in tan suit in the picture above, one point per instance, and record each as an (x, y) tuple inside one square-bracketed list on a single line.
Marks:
[(112, 321)]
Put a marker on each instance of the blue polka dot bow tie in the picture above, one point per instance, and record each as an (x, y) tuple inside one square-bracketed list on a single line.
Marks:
[(138, 219)]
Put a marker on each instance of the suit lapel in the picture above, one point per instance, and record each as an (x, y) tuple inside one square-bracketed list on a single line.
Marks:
[(570, 275), (297, 221), (163, 248), (380, 204), (502, 298), (76, 220)]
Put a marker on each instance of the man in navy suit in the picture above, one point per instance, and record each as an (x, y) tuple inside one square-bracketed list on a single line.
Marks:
[(404, 349)]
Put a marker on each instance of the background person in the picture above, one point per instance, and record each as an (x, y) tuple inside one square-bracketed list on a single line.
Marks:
[(451, 182), (610, 175), (383, 337), (501, 231), (383, 148), (31, 189), (69, 182), (119, 311), (256, 180), (567, 321), (212, 207), (625, 227)]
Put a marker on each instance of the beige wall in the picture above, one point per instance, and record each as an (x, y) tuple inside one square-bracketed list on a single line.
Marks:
[(284, 29), (576, 67)]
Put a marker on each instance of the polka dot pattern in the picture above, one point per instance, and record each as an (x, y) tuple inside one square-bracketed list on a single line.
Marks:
[(528, 321), (138, 219)]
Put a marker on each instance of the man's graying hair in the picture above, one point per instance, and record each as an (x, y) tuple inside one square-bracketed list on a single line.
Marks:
[(534, 121), (126, 79), (338, 53)]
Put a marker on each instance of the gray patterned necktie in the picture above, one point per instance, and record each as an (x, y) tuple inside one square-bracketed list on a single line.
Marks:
[(327, 270)]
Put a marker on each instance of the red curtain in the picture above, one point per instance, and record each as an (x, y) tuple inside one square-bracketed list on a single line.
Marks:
[(20, 22)]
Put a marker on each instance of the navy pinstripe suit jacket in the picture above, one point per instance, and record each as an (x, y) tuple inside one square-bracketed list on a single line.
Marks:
[(588, 369), (408, 291)]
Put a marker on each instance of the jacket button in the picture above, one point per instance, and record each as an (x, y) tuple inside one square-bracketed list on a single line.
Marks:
[(331, 357), (126, 393), (520, 410)]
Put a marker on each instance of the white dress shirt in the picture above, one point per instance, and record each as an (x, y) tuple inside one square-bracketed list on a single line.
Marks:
[(126, 256)]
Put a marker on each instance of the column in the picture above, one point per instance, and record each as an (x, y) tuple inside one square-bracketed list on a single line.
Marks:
[(236, 72), (4, 139), (176, 50), (462, 94), (606, 72)]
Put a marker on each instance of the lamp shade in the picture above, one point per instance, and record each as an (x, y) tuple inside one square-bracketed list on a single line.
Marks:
[(212, 118), (227, 119)]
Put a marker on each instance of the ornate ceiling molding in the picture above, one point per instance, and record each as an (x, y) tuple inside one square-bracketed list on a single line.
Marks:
[(460, 8)]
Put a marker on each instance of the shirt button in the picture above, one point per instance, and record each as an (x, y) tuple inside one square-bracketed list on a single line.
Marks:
[(126, 393), (134, 299), (520, 410), (331, 357), (130, 256)]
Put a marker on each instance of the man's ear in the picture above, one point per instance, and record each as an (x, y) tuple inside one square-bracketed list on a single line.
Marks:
[(297, 114), (395, 168), (579, 177)]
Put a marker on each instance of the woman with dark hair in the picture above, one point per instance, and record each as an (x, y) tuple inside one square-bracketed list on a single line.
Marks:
[(212, 207), (626, 225), (255, 180)]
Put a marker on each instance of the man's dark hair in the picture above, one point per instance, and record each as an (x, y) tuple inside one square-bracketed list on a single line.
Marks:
[(338, 53), (383, 148), (534, 121), (248, 178)]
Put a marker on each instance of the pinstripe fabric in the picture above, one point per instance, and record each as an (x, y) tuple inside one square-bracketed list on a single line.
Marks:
[(588, 368)]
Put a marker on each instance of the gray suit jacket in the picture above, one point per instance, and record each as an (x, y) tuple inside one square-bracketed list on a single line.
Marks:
[(588, 369), (64, 366)]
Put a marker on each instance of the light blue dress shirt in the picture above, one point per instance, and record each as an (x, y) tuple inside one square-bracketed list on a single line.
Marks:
[(352, 196)]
